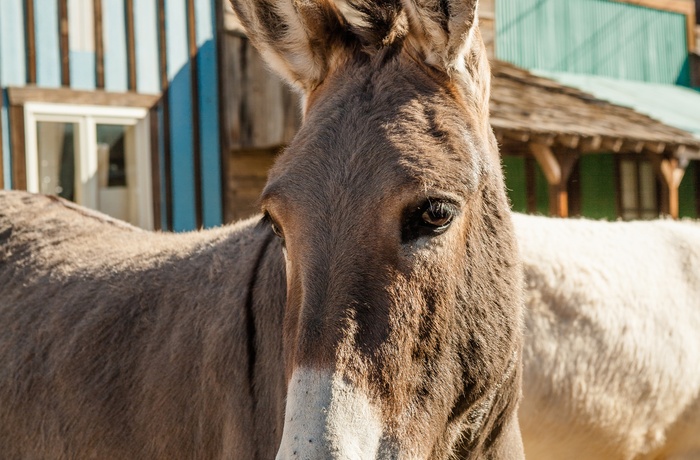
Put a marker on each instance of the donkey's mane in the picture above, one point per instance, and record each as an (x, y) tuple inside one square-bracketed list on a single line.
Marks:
[(376, 24)]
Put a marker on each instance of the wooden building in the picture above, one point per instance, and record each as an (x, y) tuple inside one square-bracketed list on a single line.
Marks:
[(634, 53), (114, 104)]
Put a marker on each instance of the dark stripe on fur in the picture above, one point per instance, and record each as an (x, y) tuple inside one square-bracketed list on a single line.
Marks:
[(250, 324)]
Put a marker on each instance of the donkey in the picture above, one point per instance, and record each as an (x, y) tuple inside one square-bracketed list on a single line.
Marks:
[(375, 311), (611, 357)]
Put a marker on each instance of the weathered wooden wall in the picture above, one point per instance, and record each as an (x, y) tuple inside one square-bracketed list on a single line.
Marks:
[(487, 18), (261, 115), (246, 176)]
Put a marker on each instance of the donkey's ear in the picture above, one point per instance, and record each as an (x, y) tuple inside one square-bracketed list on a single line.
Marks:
[(444, 30), (299, 39)]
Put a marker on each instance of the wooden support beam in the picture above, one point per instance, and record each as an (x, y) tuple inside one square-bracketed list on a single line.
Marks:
[(542, 139), (633, 146), (570, 141), (557, 169), (547, 161), (655, 147), (671, 172), (591, 144), (613, 144), (519, 136)]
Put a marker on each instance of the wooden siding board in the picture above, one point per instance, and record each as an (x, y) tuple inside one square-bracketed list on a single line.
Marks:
[(63, 42), (592, 36), (19, 163), (30, 37), (99, 46), (209, 130), (48, 53), (12, 41), (5, 152), (130, 45), (164, 168), (180, 110), (116, 66), (81, 40), (146, 35), (156, 190), (12, 72), (196, 147)]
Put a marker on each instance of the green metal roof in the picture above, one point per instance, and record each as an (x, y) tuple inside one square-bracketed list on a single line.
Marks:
[(673, 105)]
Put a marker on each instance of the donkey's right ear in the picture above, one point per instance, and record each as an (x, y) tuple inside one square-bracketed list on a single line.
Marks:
[(299, 39)]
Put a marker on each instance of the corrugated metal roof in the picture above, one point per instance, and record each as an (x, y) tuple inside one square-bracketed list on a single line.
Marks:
[(674, 105)]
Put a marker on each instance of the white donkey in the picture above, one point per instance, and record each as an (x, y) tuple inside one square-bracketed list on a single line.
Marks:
[(612, 339)]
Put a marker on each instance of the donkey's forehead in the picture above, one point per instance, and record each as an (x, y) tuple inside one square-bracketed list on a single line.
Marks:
[(390, 127)]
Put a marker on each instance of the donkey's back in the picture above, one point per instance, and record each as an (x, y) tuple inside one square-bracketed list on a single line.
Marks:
[(612, 349), (124, 342)]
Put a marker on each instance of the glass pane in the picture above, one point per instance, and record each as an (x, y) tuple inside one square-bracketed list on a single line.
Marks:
[(111, 155), (56, 151), (114, 167)]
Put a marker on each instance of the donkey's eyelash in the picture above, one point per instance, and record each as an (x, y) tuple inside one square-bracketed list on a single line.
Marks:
[(264, 222)]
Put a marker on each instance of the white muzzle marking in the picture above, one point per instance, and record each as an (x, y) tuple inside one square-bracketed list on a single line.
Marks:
[(326, 418)]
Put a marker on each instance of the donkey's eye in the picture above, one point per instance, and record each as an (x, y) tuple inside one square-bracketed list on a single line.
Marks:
[(276, 229), (437, 215), (431, 218)]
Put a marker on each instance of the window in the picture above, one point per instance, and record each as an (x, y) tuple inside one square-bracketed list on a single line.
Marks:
[(638, 196), (96, 156)]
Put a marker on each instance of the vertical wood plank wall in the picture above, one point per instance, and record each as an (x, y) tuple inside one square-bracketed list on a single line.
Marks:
[(81, 41), (209, 129), (179, 73), (12, 72), (48, 54), (121, 46)]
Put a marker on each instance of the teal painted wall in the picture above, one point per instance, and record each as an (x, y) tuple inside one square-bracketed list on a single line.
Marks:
[(598, 37), (597, 174), (514, 172)]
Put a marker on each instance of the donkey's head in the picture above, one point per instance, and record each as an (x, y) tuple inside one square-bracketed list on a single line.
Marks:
[(402, 329)]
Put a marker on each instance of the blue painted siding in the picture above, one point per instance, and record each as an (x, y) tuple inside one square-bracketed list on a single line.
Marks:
[(81, 44), (48, 56), (114, 29), (180, 105), (146, 38), (12, 71), (82, 70), (180, 75), (208, 113)]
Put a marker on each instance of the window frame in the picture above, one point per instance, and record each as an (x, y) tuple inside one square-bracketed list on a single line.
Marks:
[(67, 105)]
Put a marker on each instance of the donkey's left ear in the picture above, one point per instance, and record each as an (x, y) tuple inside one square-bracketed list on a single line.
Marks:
[(444, 30), (299, 39)]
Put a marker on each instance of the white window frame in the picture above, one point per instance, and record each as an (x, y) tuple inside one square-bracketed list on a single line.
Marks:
[(86, 118)]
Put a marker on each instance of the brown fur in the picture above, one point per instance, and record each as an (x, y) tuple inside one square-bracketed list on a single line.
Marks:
[(121, 343)]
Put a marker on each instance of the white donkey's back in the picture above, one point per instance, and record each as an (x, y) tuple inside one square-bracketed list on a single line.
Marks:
[(612, 349)]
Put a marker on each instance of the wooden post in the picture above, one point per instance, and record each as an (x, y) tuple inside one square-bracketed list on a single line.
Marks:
[(670, 171), (557, 169)]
